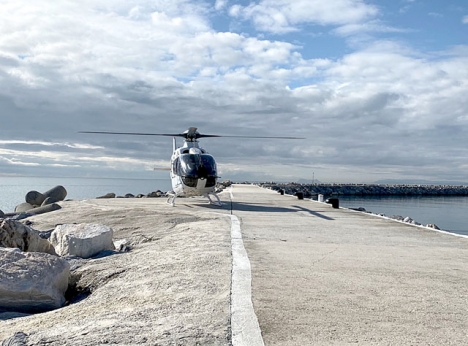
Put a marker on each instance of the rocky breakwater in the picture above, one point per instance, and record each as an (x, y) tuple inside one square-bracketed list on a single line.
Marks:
[(311, 190), (220, 186), (35, 272), (38, 203)]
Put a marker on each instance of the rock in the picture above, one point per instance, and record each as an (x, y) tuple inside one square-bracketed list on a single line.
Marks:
[(58, 193), (408, 219), (44, 209), (34, 198), (13, 234), (155, 194), (2, 214), (122, 245), (23, 207), (108, 195), (49, 200), (18, 339), (32, 281), (82, 240), (129, 195), (140, 195), (20, 216), (431, 225), (55, 194)]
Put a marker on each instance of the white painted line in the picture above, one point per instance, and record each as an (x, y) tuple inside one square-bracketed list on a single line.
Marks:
[(244, 324)]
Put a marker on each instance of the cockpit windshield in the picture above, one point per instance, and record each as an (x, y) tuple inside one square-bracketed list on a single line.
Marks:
[(195, 166)]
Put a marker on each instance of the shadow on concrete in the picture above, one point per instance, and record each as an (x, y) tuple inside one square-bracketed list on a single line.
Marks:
[(238, 206), (253, 207), (314, 213)]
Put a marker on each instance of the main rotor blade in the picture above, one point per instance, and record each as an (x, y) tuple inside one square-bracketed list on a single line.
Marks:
[(196, 135), (136, 133), (272, 137)]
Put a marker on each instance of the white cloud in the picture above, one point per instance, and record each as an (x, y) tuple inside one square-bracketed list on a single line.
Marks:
[(51, 144), (435, 14), (160, 67), (282, 16), (220, 4), (367, 27), (465, 20)]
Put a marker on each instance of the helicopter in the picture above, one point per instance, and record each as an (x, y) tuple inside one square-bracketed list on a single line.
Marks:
[(193, 170)]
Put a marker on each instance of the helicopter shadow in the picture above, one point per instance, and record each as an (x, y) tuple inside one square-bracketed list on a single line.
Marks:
[(314, 213), (254, 207)]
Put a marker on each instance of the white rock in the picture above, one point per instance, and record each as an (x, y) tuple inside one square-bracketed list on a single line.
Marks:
[(13, 234), (32, 281), (82, 240)]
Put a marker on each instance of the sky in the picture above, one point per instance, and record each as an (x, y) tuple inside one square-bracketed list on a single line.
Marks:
[(378, 88)]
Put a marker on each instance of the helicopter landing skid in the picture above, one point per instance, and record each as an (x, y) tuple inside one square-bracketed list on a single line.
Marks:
[(217, 202), (171, 198)]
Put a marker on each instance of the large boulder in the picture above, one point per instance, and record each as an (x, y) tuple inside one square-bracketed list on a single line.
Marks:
[(2, 214), (32, 281), (23, 207), (34, 198), (44, 209), (82, 240), (108, 195), (47, 206), (57, 193), (13, 234)]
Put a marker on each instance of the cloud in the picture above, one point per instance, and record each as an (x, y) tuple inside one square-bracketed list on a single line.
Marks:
[(220, 4), (367, 27), (465, 20), (281, 16), (375, 109)]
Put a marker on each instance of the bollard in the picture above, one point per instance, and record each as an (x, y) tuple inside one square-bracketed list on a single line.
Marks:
[(334, 202), (281, 192), (300, 195), (320, 198)]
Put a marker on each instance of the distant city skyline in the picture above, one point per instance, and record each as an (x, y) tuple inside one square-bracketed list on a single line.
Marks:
[(378, 88)]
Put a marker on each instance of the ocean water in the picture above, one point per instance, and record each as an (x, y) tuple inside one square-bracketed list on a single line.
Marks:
[(449, 213), (14, 189)]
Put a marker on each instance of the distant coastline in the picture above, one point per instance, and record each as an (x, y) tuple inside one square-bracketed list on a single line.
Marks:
[(310, 190)]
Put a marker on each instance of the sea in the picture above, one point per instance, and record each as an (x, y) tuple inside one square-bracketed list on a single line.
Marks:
[(14, 189), (447, 212)]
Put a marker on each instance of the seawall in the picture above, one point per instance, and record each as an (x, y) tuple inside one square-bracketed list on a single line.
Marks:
[(310, 190)]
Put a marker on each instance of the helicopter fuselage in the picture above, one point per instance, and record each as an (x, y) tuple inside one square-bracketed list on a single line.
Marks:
[(193, 171)]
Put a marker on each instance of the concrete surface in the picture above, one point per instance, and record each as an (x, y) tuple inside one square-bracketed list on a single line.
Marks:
[(320, 276), (324, 276)]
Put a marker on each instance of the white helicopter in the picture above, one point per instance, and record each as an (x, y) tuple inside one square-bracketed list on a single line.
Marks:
[(193, 170)]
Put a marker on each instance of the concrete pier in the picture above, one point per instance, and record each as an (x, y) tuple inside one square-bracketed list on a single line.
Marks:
[(319, 276), (324, 276)]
